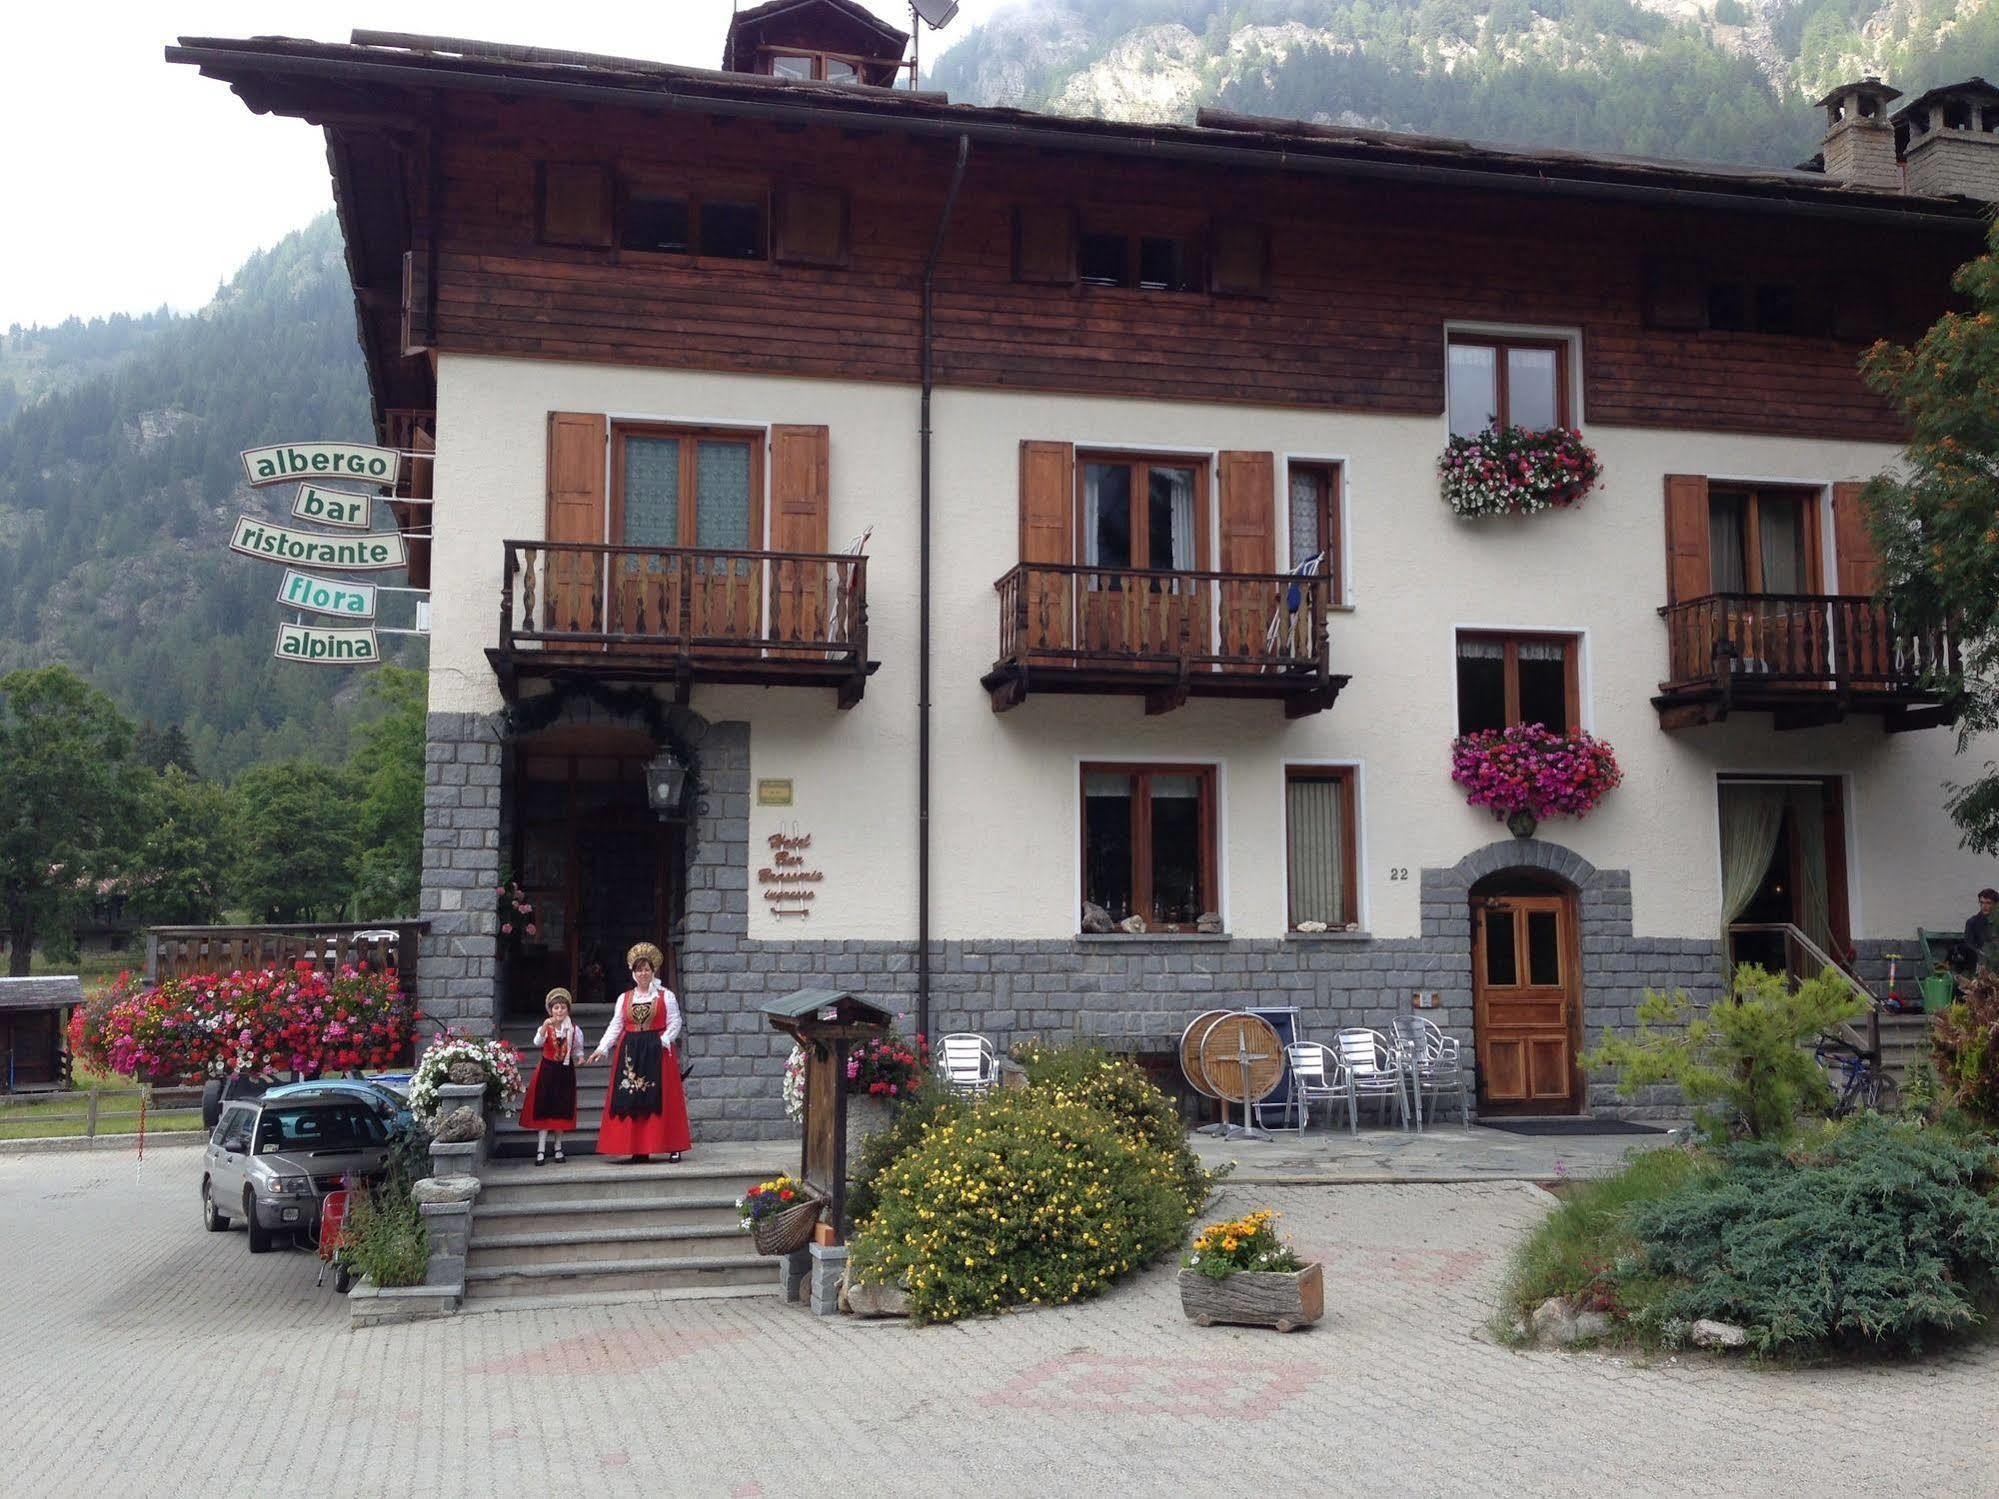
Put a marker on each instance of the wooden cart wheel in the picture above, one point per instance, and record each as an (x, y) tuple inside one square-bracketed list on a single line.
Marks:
[(1242, 1058), (1190, 1049)]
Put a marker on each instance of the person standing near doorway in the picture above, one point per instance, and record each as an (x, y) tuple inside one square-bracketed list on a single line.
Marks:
[(550, 1105), (1979, 934), (645, 1112)]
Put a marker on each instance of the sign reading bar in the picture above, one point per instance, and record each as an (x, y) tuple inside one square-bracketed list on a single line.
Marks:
[(326, 647), (322, 596), (334, 507), (321, 460), (376, 550)]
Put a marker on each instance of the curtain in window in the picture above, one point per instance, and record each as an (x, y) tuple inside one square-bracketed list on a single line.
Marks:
[(1538, 650), (1093, 483), (1813, 904), (1306, 542), (1781, 546), (652, 492), (1179, 484), (1751, 818), (1474, 649), (722, 503), (1317, 851), (1727, 567)]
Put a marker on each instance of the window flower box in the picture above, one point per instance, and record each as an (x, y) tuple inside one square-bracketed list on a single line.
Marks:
[(1529, 772), (1514, 471)]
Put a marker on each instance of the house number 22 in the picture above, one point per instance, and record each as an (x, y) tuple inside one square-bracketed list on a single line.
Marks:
[(1399, 872)]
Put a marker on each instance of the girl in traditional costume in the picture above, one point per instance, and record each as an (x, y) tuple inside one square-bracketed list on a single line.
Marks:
[(550, 1104), (645, 1112)]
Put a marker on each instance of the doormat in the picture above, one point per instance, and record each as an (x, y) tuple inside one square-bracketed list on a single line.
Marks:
[(1576, 1126)]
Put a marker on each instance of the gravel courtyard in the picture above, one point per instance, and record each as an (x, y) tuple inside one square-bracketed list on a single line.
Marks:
[(142, 1356)]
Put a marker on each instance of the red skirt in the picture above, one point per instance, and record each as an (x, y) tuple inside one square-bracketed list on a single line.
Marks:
[(656, 1131), (551, 1097)]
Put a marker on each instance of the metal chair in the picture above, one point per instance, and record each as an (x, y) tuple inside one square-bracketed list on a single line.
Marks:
[(1371, 1067), (1430, 1061), (1316, 1075), (968, 1063)]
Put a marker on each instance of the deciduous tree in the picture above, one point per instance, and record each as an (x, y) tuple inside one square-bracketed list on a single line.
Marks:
[(293, 834)]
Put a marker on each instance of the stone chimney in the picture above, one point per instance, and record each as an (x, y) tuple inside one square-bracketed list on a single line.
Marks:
[(1950, 141), (1859, 142)]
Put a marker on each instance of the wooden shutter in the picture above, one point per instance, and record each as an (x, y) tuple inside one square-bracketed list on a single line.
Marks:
[(1249, 545), (573, 581), (812, 225), (574, 204), (1688, 574), (1047, 487), (1240, 263), (1044, 244), (1854, 554), (799, 485), (1675, 293)]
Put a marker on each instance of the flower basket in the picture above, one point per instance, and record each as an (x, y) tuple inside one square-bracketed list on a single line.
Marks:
[(1527, 773), (787, 1230), (1516, 471), (1283, 1299)]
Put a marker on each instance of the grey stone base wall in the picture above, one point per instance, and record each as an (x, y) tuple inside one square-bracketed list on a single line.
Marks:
[(462, 797)]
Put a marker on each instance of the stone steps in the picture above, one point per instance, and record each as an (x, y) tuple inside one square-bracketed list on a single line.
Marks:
[(602, 1216), (753, 1274), (580, 1181)]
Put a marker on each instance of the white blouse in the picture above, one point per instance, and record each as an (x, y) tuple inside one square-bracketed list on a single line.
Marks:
[(617, 1026)]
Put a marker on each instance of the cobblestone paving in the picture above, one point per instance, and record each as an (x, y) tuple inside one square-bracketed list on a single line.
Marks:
[(142, 1356)]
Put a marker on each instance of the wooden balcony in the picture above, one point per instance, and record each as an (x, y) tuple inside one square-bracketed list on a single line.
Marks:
[(683, 615), (1163, 636), (177, 951), (1806, 659)]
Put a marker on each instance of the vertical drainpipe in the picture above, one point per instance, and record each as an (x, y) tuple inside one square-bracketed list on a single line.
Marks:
[(923, 608)]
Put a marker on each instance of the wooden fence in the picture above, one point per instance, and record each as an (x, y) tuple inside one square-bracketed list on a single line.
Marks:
[(86, 1115), (176, 951)]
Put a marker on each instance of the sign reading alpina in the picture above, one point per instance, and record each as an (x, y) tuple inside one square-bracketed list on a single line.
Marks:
[(334, 507), (326, 647), (370, 553), (323, 596), (321, 460)]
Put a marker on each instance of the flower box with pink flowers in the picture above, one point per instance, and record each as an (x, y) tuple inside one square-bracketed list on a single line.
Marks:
[(1517, 471), (1529, 772)]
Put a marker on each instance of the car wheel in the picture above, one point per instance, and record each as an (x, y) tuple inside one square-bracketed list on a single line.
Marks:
[(260, 1236), (212, 1219)]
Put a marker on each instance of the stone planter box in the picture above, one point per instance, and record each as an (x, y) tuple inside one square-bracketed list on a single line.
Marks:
[(370, 1305), (1285, 1300)]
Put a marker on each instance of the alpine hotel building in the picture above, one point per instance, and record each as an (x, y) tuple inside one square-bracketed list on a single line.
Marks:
[(930, 485)]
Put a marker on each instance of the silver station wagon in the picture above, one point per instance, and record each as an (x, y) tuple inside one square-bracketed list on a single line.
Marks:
[(270, 1162)]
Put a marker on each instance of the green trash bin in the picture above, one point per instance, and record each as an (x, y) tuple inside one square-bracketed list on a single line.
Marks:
[(1939, 993)]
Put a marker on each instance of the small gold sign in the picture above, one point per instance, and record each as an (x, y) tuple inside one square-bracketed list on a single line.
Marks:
[(774, 793)]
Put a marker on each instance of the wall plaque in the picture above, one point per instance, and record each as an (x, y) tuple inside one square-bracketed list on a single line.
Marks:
[(774, 793)]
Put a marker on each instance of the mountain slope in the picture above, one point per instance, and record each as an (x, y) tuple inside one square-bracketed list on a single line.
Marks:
[(1720, 80), (119, 485)]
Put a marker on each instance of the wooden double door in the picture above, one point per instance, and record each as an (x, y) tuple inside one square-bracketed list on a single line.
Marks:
[(1527, 1003)]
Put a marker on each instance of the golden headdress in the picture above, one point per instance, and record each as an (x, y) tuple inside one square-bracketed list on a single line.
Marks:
[(557, 997), (646, 951)]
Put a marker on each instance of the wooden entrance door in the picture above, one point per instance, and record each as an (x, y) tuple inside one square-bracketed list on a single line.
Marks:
[(1526, 1003)]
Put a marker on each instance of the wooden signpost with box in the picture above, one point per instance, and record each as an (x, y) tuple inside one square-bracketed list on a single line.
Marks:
[(827, 1024)]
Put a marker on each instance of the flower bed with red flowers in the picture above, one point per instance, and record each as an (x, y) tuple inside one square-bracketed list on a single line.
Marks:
[(1531, 769), (888, 1066), (1515, 471), (277, 1019)]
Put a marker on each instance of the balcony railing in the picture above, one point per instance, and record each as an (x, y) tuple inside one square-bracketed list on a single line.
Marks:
[(1809, 658), (1163, 635), (685, 614), (176, 951)]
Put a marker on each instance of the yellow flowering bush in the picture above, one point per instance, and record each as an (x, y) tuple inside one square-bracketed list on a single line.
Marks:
[(1246, 1243), (1117, 1088), (1028, 1197)]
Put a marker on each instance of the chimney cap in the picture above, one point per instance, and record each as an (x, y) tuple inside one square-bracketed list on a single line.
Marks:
[(1972, 88), (1868, 85)]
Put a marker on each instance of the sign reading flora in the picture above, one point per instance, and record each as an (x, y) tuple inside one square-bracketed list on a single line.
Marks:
[(322, 460), (334, 507), (376, 550), (321, 596), (327, 647)]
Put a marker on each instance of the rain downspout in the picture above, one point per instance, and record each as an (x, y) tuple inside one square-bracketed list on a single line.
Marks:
[(923, 607)]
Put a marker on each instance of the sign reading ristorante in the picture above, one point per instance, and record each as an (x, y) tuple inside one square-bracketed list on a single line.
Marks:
[(372, 552), (321, 460), (326, 647), (324, 596)]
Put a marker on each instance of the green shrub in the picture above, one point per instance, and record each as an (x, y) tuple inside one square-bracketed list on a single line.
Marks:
[(931, 1102), (385, 1236), (1868, 1234), (1752, 1056), (1119, 1089), (1026, 1197), (1962, 1043), (1585, 1249)]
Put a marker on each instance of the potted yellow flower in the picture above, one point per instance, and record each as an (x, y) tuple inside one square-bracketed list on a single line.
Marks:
[(1241, 1272)]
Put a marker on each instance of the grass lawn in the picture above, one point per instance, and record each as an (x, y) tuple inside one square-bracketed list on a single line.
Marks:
[(96, 969), (40, 1116)]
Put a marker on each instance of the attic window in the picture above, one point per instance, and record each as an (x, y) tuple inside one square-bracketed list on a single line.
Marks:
[(817, 67), (1148, 262), (720, 228)]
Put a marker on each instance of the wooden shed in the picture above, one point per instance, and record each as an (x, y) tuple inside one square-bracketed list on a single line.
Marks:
[(33, 1015)]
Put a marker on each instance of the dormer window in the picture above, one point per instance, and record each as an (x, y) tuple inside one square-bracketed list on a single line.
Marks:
[(816, 41), (814, 67)]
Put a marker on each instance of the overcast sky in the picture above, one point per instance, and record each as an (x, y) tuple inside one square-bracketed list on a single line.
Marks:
[(126, 183)]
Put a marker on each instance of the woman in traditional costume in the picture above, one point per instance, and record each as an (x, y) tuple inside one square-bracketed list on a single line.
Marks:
[(550, 1105), (645, 1112)]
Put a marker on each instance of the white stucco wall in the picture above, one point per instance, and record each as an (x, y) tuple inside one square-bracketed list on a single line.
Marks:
[(1006, 788)]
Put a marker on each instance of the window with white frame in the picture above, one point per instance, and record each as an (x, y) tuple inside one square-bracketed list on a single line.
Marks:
[(1320, 838)]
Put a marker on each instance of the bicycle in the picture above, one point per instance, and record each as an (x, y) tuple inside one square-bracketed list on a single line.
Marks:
[(1855, 1075)]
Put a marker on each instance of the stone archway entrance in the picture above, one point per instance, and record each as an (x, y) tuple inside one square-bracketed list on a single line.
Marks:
[(1527, 996)]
